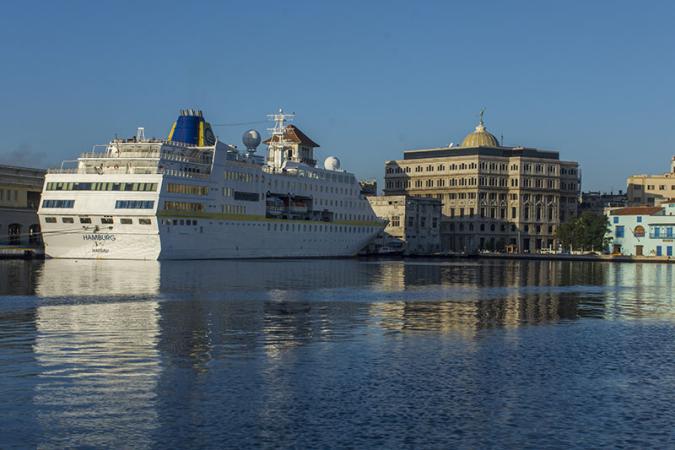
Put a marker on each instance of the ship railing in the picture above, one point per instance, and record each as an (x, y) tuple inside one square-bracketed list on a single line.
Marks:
[(146, 155), (107, 171), (130, 171)]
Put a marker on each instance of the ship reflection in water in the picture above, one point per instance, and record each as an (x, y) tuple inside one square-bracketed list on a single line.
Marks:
[(317, 353)]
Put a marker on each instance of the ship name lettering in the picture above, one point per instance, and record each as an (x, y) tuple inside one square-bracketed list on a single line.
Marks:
[(98, 237)]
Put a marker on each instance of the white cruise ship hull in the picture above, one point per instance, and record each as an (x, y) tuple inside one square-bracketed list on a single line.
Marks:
[(216, 240)]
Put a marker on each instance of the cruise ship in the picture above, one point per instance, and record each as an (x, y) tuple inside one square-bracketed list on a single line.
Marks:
[(193, 197)]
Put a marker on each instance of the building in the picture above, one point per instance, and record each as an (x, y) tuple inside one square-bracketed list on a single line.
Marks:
[(20, 190), (652, 190), (494, 196), (597, 202), (413, 225), (642, 230), (368, 187)]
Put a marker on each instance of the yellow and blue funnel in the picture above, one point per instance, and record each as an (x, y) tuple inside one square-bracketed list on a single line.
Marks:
[(192, 129)]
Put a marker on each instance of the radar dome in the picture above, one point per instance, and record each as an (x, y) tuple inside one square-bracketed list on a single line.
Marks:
[(251, 139), (331, 163)]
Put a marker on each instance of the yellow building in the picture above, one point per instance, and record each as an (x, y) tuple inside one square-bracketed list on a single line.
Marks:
[(20, 189), (494, 197), (652, 190)]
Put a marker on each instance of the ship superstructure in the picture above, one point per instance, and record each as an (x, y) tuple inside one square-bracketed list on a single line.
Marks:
[(193, 197)]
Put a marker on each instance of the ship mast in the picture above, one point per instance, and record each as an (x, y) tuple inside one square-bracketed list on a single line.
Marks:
[(278, 147)]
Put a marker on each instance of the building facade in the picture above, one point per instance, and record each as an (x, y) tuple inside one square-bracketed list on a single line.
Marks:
[(597, 202), (652, 190), (413, 224), (642, 231), (20, 190), (494, 197)]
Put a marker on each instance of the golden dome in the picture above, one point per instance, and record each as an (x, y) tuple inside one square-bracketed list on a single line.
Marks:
[(480, 137)]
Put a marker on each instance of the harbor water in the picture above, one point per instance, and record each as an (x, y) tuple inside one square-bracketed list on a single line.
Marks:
[(337, 353)]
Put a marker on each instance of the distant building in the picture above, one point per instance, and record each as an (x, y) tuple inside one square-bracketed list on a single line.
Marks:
[(368, 187), (413, 228), (597, 202), (652, 190), (642, 230), (494, 197), (20, 190)]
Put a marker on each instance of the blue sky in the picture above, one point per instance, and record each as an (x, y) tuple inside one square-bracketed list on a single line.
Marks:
[(593, 80)]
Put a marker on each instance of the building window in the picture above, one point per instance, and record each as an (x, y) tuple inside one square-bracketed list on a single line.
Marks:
[(395, 221), (615, 219), (619, 231), (639, 219)]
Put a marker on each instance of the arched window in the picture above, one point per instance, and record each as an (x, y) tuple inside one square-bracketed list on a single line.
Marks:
[(14, 232)]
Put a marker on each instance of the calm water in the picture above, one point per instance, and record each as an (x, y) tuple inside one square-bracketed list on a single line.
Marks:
[(344, 353)]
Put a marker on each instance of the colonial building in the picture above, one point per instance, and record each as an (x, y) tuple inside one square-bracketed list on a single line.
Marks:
[(642, 230), (494, 197), (413, 224), (651, 190), (20, 190)]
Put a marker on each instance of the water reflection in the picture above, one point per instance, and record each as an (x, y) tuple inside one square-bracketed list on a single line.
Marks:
[(98, 358), (165, 349)]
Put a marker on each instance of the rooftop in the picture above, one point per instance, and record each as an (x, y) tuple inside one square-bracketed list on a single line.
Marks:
[(294, 134), (635, 211)]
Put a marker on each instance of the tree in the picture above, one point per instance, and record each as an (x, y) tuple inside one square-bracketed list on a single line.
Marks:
[(586, 232)]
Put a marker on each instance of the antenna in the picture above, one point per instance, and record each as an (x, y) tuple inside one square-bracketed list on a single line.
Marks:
[(279, 122)]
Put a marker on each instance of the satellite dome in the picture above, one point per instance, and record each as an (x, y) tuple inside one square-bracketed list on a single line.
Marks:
[(251, 139), (331, 163)]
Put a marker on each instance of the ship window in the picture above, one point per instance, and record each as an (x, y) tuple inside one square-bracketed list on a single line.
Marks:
[(85, 220), (126, 221), (67, 220), (183, 206), (50, 219), (187, 189), (58, 203), (145, 221), (106, 220), (134, 204), (246, 196)]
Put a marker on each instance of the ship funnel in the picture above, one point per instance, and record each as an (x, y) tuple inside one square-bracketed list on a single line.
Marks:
[(191, 128)]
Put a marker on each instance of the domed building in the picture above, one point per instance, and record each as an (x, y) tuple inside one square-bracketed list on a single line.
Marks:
[(481, 137), (494, 197)]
